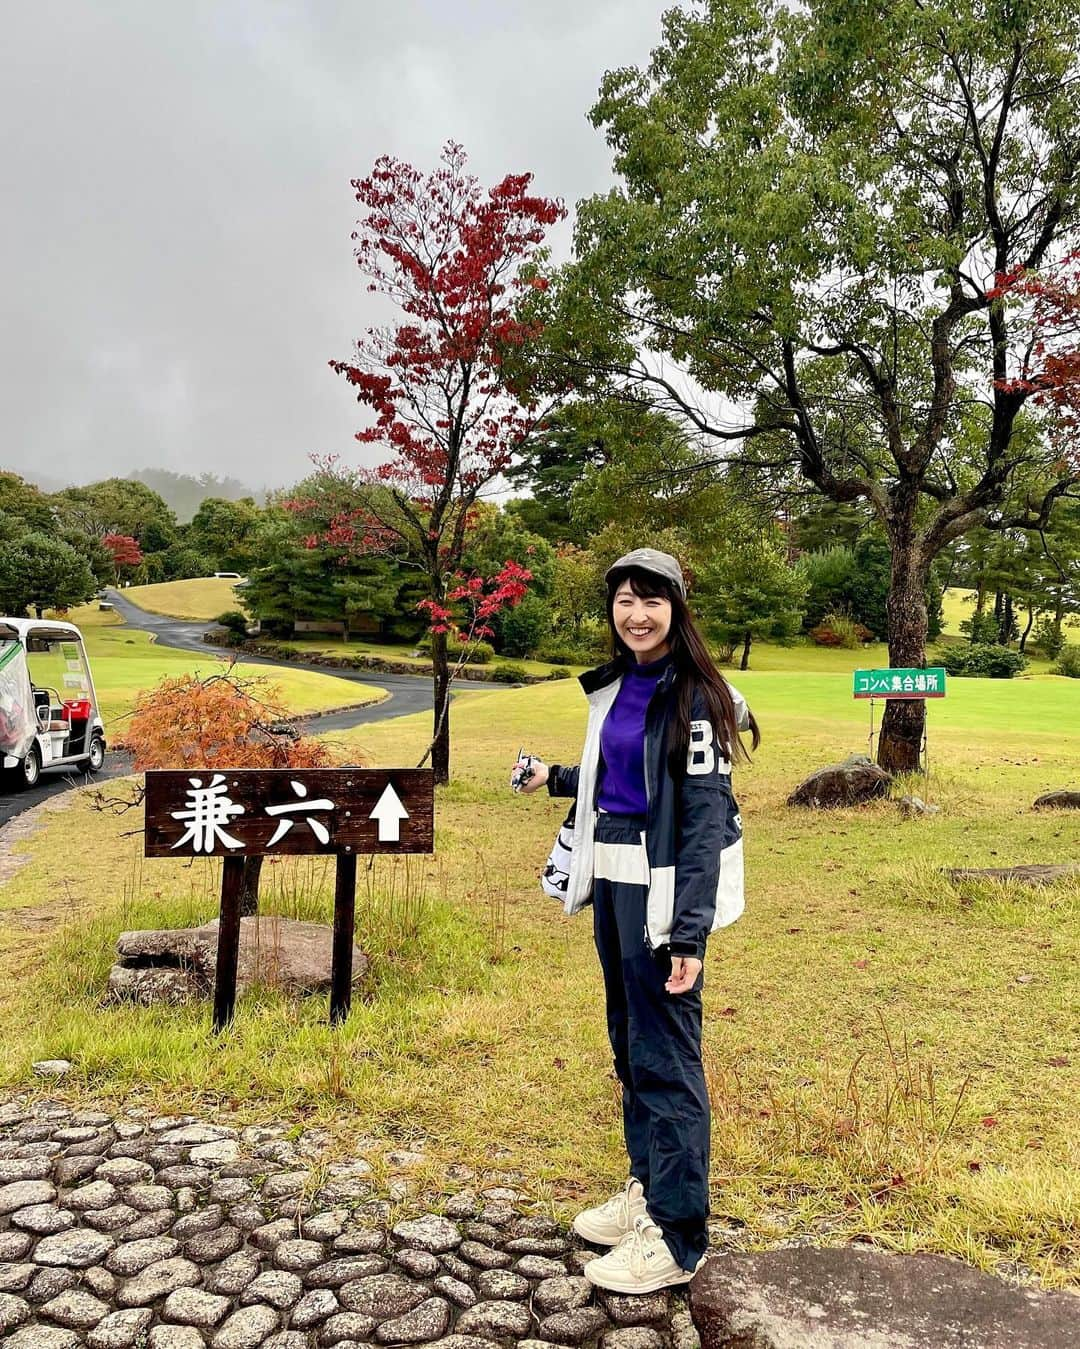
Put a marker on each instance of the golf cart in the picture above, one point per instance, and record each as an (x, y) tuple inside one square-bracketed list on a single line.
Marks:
[(49, 715)]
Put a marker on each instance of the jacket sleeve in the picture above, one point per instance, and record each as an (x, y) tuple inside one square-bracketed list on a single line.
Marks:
[(704, 800), (563, 781)]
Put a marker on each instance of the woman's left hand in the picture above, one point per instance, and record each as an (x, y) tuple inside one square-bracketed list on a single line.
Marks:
[(684, 973)]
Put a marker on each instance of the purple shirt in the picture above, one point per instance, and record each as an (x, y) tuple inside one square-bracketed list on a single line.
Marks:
[(621, 789)]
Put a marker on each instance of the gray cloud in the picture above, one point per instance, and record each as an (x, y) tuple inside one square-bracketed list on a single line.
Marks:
[(176, 232)]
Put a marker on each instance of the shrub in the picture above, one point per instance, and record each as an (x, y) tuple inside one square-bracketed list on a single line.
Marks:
[(1048, 637), (558, 674), (480, 653), (522, 627), (982, 629), (509, 672), (985, 660), (1068, 662), (840, 630), (234, 620)]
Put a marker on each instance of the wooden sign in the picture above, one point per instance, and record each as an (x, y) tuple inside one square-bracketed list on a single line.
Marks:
[(246, 812), (253, 812)]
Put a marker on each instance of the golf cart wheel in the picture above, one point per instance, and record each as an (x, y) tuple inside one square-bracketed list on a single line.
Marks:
[(31, 767), (95, 761)]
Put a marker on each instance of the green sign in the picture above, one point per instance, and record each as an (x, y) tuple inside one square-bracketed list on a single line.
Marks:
[(900, 683)]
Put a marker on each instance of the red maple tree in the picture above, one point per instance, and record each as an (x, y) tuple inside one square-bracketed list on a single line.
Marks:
[(125, 551), (455, 259)]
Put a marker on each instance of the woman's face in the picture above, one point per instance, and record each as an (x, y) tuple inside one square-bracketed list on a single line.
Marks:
[(643, 624)]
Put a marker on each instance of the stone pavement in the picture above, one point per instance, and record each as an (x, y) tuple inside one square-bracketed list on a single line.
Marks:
[(130, 1231)]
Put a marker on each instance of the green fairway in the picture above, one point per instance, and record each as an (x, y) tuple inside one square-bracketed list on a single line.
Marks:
[(890, 1056), (201, 599), (125, 661)]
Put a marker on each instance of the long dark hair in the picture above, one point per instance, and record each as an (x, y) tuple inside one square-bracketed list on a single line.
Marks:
[(693, 666)]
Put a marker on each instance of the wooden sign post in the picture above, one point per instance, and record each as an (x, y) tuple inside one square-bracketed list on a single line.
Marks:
[(247, 812)]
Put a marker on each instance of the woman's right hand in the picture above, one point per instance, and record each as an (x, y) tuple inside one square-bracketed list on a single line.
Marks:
[(538, 779)]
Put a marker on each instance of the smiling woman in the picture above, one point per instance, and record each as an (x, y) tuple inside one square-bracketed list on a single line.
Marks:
[(657, 850)]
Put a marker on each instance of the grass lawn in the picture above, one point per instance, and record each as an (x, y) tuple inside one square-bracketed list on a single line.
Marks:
[(891, 1058), (200, 599), (125, 661)]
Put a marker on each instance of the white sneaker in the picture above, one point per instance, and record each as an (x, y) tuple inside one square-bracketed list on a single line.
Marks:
[(640, 1263), (609, 1222)]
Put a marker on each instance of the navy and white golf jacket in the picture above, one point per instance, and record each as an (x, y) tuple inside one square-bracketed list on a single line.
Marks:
[(693, 833)]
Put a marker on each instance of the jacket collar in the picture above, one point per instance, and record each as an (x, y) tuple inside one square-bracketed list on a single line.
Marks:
[(605, 674)]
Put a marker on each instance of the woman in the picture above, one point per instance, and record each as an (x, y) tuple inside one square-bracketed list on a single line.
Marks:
[(657, 849)]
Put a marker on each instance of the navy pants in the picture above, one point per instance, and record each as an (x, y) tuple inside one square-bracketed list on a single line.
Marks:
[(656, 1040)]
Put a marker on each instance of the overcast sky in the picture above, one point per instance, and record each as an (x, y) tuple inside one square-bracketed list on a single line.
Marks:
[(175, 232)]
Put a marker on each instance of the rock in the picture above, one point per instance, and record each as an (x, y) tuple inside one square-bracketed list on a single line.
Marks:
[(634, 1337), (14, 1245), (419, 1264), (298, 1254), (455, 1290), (150, 987), (502, 1285), (465, 1204), (246, 1328), (574, 1326), (482, 1232), (313, 1308), (207, 1219), (427, 1321), (915, 805), (43, 1219), (498, 1214), (268, 1235), (51, 1067), (77, 1249), (287, 1339), (429, 1233), (348, 1269), (1029, 873), (381, 1296), (218, 1153), (148, 1198), (25, 1194), (175, 1337), (459, 1269), (13, 1311), (121, 1330), (189, 1132), (1059, 800), (234, 1273), (350, 1326), (99, 1281), (194, 1307), (848, 1297), (130, 1257), (111, 1219), (537, 1245), (14, 1278), (495, 1320), (359, 1240), (150, 1225), (97, 1194), (175, 965), (276, 1287), (50, 1283), (473, 1342), (125, 1171), (539, 1267), (634, 1309), (157, 1281), (43, 1337), (207, 1247), (850, 783), (70, 1170), (284, 1184), (75, 1309), (484, 1257), (325, 1226), (561, 1294)]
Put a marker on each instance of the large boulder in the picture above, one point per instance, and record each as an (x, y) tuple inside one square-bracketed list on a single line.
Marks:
[(174, 966), (851, 1298), (1059, 800), (850, 783)]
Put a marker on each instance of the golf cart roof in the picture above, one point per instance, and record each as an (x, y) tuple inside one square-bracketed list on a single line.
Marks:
[(49, 628)]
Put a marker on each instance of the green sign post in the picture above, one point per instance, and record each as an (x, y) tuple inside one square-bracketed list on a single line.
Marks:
[(900, 683)]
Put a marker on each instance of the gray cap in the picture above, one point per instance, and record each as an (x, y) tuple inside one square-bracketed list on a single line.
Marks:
[(649, 559)]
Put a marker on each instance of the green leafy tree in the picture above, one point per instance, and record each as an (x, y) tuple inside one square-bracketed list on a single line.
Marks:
[(42, 572), (223, 532), (802, 262), (117, 506), (22, 505), (749, 591)]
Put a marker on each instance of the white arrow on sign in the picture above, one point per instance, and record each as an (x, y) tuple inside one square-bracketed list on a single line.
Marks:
[(389, 812)]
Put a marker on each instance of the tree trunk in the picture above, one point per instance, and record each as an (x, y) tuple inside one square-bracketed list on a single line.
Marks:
[(744, 664), (980, 598), (1027, 630), (1007, 620), (440, 664), (249, 887), (900, 741)]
